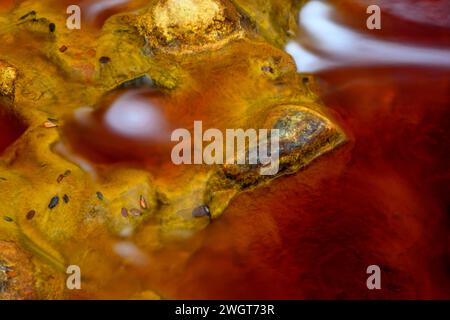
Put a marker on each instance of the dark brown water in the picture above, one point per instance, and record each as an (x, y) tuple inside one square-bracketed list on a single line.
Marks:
[(10, 128)]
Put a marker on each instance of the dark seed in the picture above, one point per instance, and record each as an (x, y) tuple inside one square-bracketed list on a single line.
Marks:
[(267, 69), (63, 49), (52, 27), (63, 175), (60, 178), (53, 202), (99, 195), (31, 214), (135, 212), (124, 212), (201, 211), (305, 80), (8, 219), (66, 198), (104, 60)]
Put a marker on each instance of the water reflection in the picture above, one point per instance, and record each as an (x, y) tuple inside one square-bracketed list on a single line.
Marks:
[(323, 43), (98, 7), (126, 124)]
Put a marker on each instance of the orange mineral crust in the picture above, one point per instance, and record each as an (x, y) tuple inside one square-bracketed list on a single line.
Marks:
[(88, 179)]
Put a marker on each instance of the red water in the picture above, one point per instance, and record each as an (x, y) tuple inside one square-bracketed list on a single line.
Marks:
[(124, 126), (382, 199), (10, 128)]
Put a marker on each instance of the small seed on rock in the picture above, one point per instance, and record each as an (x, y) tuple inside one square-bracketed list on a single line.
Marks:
[(66, 198), (124, 212), (49, 124), (201, 211), (52, 27), (104, 60), (267, 69), (142, 202), (8, 219), (31, 214), (63, 49), (135, 212), (99, 195), (53, 202)]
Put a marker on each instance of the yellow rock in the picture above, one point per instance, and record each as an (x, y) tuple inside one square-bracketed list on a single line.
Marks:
[(8, 75)]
